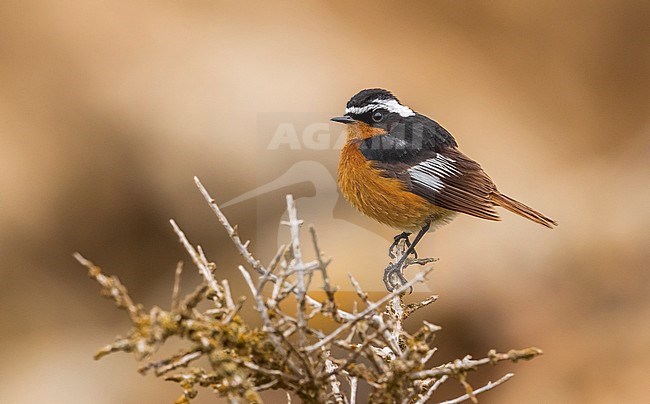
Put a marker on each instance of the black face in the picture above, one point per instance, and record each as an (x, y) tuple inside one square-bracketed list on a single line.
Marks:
[(404, 129), (378, 117)]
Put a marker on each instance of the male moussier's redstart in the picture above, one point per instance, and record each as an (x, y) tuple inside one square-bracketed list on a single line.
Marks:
[(403, 169)]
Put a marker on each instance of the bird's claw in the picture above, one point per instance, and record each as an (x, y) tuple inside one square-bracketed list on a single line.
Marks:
[(394, 278), (396, 240)]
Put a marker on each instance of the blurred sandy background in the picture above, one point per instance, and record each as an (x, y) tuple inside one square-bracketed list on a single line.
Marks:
[(108, 109)]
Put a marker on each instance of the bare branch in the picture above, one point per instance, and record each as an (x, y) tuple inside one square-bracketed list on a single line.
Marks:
[(112, 288), (413, 307), (369, 310), (329, 291), (232, 232), (485, 388), (299, 266), (296, 352), (432, 389), (334, 383), (353, 390), (199, 260), (468, 363), (177, 285), (167, 365)]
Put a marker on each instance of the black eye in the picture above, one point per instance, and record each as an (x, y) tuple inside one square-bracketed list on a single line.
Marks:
[(377, 116)]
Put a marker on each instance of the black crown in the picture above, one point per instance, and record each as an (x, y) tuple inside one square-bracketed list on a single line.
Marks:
[(365, 97)]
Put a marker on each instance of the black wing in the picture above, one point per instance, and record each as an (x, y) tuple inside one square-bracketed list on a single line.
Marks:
[(423, 155), (453, 181)]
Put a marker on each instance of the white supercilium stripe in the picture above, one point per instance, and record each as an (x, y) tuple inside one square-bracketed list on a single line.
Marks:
[(389, 105)]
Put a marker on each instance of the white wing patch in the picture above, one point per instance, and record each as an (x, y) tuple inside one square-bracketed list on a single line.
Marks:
[(389, 105), (426, 180), (430, 173)]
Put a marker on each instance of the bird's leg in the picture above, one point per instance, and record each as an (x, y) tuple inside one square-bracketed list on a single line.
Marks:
[(402, 236), (393, 276)]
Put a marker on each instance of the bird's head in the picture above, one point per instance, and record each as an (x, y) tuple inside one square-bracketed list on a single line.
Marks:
[(372, 112)]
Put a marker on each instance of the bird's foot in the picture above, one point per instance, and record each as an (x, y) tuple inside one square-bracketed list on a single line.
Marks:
[(394, 277), (396, 240)]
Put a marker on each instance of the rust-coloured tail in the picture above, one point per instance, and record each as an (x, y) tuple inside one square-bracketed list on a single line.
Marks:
[(522, 210)]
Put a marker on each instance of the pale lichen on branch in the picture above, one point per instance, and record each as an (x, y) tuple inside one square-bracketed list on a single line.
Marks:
[(368, 347)]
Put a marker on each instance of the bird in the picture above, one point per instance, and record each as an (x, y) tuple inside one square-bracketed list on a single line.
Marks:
[(404, 169)]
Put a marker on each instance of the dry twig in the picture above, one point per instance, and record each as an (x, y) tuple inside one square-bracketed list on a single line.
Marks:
[(369, 346)]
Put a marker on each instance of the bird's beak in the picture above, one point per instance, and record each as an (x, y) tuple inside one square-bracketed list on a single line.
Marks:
[(343, 119)]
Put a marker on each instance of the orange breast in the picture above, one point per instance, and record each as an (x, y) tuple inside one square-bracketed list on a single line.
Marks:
[(383, 199)]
